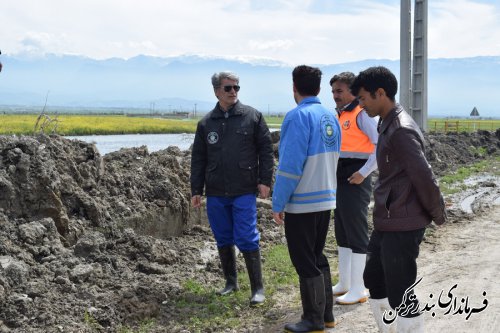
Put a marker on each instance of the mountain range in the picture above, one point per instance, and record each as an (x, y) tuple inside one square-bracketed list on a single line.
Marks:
[(182, 83)]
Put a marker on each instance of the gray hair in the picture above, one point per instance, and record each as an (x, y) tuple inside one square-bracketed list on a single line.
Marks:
[(218, 77), (344, 77)]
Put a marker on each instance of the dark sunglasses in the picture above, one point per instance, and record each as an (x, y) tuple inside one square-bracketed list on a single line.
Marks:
[(235, 87)]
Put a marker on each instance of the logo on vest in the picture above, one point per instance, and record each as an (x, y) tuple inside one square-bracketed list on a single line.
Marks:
[(212, 138), (346, 124), (327, 130)]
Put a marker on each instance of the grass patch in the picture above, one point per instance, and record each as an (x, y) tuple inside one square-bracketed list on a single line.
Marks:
[(201, 310), (453, 183), (90, 321), (278, 268)]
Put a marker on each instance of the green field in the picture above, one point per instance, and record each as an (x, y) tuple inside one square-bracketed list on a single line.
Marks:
[(462, 125), (92, 124), (121, 124)]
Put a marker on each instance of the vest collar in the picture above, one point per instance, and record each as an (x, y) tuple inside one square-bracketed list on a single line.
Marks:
[(349, 107)]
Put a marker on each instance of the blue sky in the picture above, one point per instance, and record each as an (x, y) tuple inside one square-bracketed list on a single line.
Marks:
[(294, 32)]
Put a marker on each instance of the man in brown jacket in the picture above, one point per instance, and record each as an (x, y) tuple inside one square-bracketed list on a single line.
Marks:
[(407, 199)]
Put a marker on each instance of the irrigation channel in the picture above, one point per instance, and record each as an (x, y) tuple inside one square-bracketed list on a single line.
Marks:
[(110, 143)]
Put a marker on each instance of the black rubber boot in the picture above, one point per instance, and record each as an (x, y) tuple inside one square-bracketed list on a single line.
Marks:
[(228, 263), (327, 279), (312, 293), (252, 260)]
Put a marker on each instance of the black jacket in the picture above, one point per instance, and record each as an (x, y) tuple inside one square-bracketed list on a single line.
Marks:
[(232, 152), (406, 194)]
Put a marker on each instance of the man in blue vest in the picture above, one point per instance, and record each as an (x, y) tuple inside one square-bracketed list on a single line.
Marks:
[(304, 195)]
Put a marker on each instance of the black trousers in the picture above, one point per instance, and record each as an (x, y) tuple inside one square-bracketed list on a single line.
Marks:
[(306, 236), (391, 265), (351, 213)]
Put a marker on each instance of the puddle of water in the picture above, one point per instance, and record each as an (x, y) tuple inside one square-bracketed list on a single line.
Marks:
[(484, 184), (475, 180), (466, 204)]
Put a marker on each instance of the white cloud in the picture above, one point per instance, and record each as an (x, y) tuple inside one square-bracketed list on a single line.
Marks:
[(284, 30), (463, 29), (270, 45), (39, 42)]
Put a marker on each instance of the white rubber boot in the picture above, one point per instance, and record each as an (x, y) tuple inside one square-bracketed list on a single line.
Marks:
[(379, 306), (411, 325), (344, 268), (357, 291)]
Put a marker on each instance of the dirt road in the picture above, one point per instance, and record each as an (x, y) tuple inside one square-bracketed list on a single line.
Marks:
[(466, 253)]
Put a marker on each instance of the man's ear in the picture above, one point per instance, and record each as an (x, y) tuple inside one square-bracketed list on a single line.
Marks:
[(380, 92)]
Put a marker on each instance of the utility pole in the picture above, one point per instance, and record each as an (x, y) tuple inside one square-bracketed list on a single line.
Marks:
[(419, 83), (405, 56), (413, 95)]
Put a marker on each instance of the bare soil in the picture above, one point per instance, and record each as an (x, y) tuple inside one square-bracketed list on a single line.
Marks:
[(113, 238)]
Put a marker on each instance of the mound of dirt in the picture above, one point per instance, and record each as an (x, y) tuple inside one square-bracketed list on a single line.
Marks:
[(448, 152), (113, 238)]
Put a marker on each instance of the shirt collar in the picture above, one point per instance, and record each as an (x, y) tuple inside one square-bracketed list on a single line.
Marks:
[(310, 100), (349, 107)]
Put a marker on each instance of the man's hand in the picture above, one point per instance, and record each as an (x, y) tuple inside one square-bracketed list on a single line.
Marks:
[(263, 191), (279, 217), (356, 178), (196, 201)]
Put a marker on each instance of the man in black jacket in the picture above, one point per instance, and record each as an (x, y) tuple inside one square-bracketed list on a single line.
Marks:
[(232, 158), (407, 198)]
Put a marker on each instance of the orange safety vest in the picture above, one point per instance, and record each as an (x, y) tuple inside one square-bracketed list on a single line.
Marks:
[(355, 143)]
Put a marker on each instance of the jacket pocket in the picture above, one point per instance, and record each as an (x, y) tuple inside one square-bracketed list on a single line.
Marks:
[(399, 199), (248, 173), (244, 135), (246, 131)]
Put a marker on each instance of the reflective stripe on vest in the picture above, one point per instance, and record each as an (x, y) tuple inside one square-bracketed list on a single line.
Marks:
[(355, 143)]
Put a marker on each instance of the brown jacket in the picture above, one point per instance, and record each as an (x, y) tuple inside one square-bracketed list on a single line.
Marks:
[(406, 195)]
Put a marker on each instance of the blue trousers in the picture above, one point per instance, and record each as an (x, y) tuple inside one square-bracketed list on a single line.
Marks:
[(234, 221)]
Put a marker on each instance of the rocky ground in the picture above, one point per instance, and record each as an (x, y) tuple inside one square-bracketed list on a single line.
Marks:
[(92, 243)]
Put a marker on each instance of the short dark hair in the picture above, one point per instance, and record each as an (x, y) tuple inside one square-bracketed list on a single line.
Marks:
[(344, 77), (373, 78), (307, 80)]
